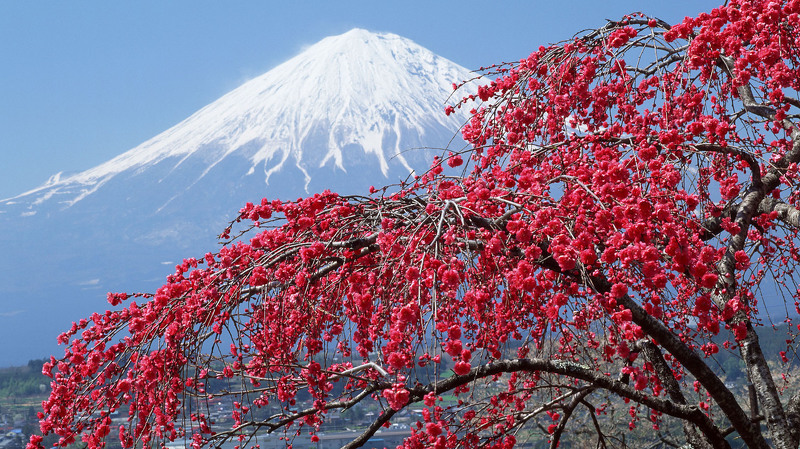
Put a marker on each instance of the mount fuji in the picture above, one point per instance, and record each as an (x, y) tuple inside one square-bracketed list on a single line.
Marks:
[(351, 111)]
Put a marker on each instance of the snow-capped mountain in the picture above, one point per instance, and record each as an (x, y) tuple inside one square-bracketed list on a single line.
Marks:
[(351, 111), (379, 92)]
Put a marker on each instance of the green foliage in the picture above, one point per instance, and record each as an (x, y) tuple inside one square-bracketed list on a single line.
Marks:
[(23, 381)]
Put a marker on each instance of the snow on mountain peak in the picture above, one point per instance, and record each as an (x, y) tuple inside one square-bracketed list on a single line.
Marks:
[(377, 91)]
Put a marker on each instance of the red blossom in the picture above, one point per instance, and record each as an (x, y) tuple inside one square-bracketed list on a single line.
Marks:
[(462, 368), (628, 194)]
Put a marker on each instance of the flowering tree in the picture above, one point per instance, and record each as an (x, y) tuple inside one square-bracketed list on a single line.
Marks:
[(626, 197)]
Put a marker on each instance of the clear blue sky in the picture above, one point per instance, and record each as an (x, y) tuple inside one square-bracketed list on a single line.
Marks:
[(82, 81)]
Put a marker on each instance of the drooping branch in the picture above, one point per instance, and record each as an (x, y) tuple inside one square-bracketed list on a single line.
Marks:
[(695, 365), (659, 332), (667, 378), (577, 399), (688, 358), (597, 380), (574, 370), (278, 422), (594, 379), (755, 167)]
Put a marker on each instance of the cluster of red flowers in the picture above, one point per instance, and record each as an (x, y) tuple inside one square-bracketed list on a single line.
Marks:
[(598, 190)]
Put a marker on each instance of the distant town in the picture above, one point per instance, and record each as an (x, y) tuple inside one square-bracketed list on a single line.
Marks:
[(23, 388)]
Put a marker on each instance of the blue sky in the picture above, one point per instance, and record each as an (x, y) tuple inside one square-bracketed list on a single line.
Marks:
[(83, 81)]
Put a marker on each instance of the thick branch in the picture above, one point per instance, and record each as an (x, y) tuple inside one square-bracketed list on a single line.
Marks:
[(374, 427), (285, 420), (356, 243), (712, 226), (786, 212), (686, 356), (595, 379), (759, 371), (577, 400), (576, 371), (749, 432), (745, 92), (667, 378), (793, 415), (755, 167)]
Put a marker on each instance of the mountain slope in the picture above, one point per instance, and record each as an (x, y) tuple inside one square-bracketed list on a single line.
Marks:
[(348, 112), (379, 92)]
